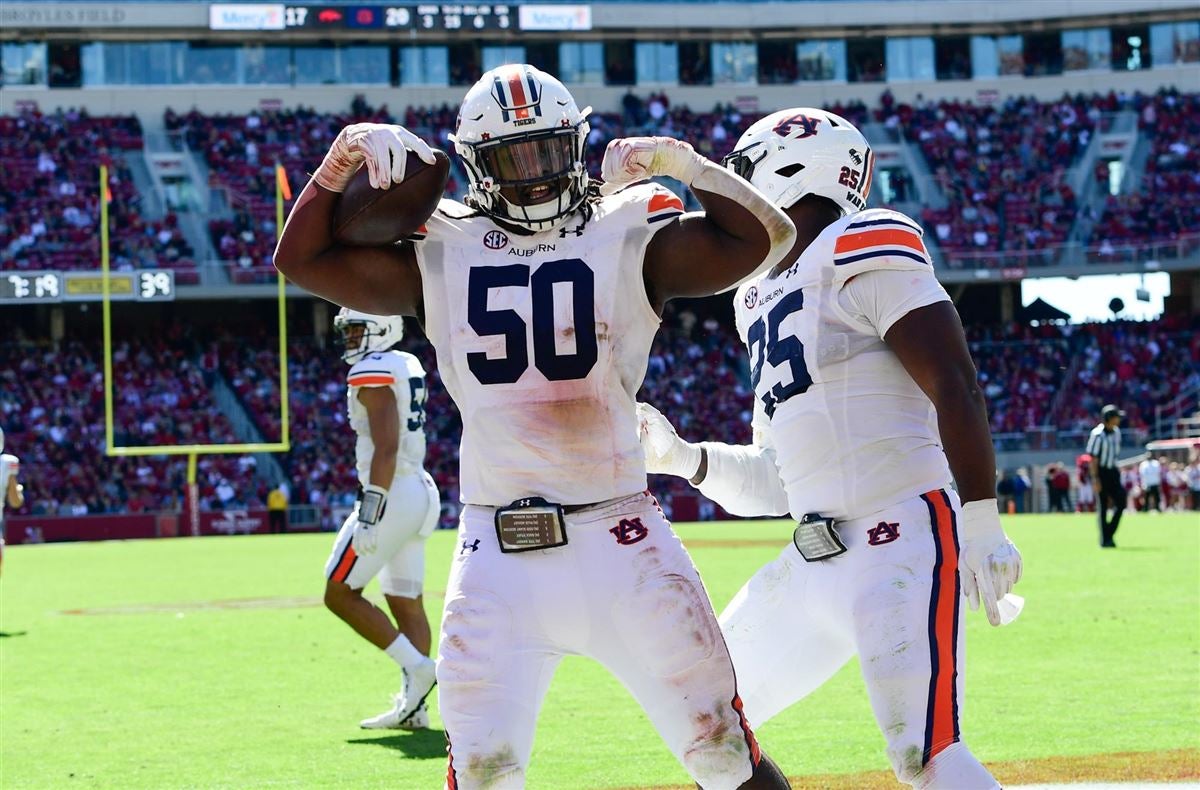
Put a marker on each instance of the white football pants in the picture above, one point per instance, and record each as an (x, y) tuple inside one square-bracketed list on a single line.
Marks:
[(894, 599), (624, 592)]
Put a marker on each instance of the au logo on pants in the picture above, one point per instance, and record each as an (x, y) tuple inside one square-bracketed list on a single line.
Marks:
[(629, 531)]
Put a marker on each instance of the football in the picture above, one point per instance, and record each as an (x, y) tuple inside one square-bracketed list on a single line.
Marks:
[(365, 216)]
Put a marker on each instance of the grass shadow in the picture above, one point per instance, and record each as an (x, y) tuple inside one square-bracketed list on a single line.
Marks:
[(7, 634), (420, 744)]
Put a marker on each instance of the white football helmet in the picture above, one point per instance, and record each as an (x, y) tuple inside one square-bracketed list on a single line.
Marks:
[(520, 132), (360, 334), (1, 449), (806, 151)]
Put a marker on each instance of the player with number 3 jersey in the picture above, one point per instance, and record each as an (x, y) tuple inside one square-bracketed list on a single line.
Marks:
[(866, 407), (541, 296)]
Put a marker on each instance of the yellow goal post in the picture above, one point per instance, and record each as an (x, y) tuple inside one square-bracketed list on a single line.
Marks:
[(190, 450)]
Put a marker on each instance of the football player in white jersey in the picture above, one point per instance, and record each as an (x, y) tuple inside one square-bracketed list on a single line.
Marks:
[(541, 298), (866, 407), (397, 510), (12, 492)]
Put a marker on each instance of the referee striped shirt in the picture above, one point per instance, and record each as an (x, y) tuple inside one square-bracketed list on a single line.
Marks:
[(1104, 446)]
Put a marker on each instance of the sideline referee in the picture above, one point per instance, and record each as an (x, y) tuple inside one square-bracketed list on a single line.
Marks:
[(1104, 445)]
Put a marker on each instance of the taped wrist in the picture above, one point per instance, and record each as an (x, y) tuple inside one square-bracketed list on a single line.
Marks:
[(373, 505), (677, 159), (339, 166), (980, 518), (686, 459), (744, 480)]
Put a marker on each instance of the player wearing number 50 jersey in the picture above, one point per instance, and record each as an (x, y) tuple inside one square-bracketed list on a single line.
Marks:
[(866, 405), (541, 297), (397, 509)]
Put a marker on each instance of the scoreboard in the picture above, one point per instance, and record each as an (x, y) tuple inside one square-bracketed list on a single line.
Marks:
[(435, 16), (142, 285)]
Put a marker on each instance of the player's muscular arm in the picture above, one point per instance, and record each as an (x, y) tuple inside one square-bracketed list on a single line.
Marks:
[(379, 280), (740, 234), (933, 349), (383, 419)]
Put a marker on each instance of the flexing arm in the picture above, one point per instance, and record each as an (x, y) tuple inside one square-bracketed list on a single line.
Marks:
[(739, 235), (380, 280)]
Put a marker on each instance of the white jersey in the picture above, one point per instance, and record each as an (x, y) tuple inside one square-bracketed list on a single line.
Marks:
[(402, 372), (852, 431), (9, 466), (542, 341)]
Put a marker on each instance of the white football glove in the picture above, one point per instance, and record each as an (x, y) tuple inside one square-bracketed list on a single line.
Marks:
[(666, 453), (380, 146), (990, 564), (370, 510), (628, 160)]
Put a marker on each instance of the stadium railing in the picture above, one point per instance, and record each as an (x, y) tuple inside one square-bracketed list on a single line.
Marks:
[(1077, 254)]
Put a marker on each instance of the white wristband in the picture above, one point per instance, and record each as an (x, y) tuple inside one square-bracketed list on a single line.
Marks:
[(373, 505)]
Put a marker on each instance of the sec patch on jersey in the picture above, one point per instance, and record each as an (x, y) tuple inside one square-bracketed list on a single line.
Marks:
[(367, 217)]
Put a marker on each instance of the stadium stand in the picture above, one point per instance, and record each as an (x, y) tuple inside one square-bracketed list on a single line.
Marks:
[(49, 206), (53, 410), (1167, 206), (1038, 380)]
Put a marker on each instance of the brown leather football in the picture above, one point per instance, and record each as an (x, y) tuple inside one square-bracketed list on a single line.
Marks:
[(365, 216)]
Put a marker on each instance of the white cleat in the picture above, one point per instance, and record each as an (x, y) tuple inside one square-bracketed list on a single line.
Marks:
[(417, 720), (409, 711)]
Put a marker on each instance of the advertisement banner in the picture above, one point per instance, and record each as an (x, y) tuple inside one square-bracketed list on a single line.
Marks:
[(265, 16), (555, 17)]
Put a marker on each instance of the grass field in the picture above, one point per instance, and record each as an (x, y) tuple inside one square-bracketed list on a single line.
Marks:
[(210, 663)]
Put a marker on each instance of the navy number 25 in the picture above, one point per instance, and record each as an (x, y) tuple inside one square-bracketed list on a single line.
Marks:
[(554, 366), (766, 346)]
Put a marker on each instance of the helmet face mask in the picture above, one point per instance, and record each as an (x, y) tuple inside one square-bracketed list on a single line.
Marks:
[(521, 138), (359, 334), (806, 151)]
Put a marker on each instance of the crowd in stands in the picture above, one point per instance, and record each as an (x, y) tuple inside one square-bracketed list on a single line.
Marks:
[(1167, 205), (52, 408), (1002, 167), (51, 404), (50, 197)]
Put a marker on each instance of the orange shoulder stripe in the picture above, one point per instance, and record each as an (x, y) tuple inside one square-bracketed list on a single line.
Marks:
[(662, 200), (358, 381), (878, 238)]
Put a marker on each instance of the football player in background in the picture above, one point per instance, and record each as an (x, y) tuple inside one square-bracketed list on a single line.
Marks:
[(541, 298), (12, 492), (858, 364), (397, 510)]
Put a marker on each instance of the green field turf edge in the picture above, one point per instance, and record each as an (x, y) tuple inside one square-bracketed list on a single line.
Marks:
[(155, 687)]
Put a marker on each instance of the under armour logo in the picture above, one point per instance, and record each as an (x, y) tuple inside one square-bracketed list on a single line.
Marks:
[(577, 230), (883, 533), (472, 546), (629, 531)]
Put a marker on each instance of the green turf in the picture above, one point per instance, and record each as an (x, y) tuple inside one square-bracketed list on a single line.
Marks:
[(161, 692)]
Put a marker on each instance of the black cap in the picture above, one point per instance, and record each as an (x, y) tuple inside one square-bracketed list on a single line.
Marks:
[(1111, 411)]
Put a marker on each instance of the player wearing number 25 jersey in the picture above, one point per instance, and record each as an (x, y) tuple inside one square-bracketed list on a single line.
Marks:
[(542, 295), (852, 344)]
